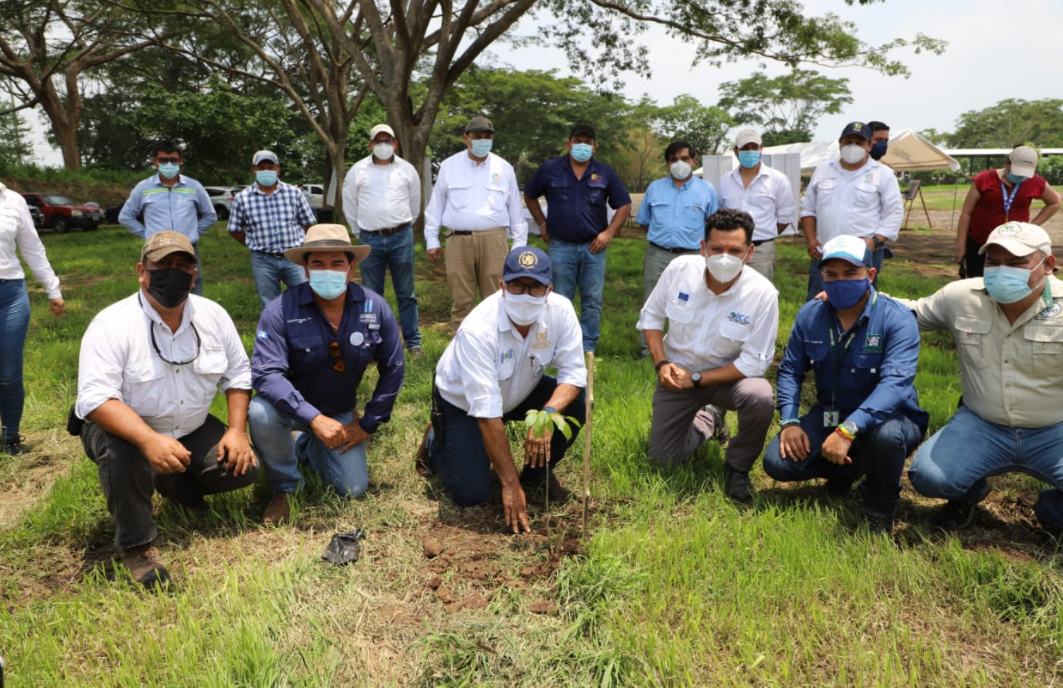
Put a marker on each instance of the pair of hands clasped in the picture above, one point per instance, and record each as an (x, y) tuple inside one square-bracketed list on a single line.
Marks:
[(674, 378), (167, 455), (794, 445)]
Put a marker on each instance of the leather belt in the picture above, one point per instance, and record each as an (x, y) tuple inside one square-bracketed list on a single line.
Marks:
[(673, 250), (763, 241), (387, 232)]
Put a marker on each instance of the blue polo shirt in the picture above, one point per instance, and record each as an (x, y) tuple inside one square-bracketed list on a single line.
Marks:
[(293, 370), (185, 208), (676, 217), (576, 207)]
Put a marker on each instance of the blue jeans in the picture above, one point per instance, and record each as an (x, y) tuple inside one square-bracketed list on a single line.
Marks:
[(269, 271), (575, 266), (879, 452), (14, 324), (815, 279), (955, 462), (271, 433), (394, 252)]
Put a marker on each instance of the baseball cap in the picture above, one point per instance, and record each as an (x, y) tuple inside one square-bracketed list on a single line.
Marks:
[(851, 249), (479, 124), (265, 155), (161, 244), (856, 128), (1023, 161), (747, 136), (583, 129), (527, 261), (1019, 239), (381, 128)]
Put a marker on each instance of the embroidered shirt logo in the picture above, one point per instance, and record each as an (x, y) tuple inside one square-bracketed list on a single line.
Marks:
[(738, 318), (873, 342)]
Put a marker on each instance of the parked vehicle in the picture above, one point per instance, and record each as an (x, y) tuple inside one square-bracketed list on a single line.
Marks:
[(315, 195), (221, 197), (61, 213)]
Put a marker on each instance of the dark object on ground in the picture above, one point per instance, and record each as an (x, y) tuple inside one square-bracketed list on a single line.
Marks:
[(955, 516), (146, 566), (737, 485), (12, 446), (344, 548), (279, 509), (878, 525)]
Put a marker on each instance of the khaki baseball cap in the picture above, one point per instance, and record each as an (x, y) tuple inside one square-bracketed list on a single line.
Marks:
[(381, 128), (747, 136), (162, 244), (1019, 239), (1023, 161)]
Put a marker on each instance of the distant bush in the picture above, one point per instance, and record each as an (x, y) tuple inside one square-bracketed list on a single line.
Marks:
[(61, 174)]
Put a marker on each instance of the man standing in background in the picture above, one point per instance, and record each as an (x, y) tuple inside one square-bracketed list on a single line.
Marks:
[(880, 138)]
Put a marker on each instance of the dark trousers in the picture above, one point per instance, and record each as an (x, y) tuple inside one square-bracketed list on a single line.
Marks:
[(128, 480), (975, 262), (459, 456)]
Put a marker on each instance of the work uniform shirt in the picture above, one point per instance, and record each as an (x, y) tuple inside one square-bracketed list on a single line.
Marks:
[(676, 217), (768, 199), (18, 235), (860, 203), (474, 196), (866, 374), (185, 208), (377, 197), (294, 370), (706, 331), (577, 207), (488, 369), (1011, 374), (122, 357), (273, 223)]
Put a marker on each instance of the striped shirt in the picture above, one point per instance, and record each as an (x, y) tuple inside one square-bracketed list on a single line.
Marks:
[(185, 207), (273, 223)]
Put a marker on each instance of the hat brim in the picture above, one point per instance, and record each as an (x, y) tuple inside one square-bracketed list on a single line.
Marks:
[(158, 254), (1022, 169), (295, 255), (517, 275), (841, 256), (1012, 246)]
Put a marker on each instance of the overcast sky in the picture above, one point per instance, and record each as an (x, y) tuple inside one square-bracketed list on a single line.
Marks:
[(996, 50)]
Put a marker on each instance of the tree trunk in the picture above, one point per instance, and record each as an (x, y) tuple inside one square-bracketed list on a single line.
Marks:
[(65, 123)]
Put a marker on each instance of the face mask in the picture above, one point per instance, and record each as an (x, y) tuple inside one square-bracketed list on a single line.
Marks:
[(844, 294), (1016, 179), (679, 169), (266, 177), (879, 149), (582, 152), (724, 267), (481, 147), (1006, 284), (853, 153), (328, 284), (748, 159), (523, 309), (384, 151), (169, 286), (169, 169)]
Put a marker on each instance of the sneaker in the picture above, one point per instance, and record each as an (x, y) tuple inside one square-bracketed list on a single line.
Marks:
[(145, 565), (416, 352), (878, 525), (421, 464), (279, 509), (955, 516), (737, 485), (12, 446), (536, 495), (720, 433)]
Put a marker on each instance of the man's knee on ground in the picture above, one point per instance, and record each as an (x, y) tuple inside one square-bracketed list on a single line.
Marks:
[(350, 490), (464, 494), (930, 480)]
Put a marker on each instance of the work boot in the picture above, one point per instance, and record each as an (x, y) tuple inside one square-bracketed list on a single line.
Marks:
[(145, 565), (535, 492), (720, 433), (839, 488), (12, 446), (416, 352), (279, 509), (737, 485), (955, 516), (878, 525)]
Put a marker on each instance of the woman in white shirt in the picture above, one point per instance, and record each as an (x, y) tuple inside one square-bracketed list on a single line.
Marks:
[(17, 233)]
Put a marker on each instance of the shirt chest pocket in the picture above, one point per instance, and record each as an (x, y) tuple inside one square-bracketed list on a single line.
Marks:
[(306, 354), (595, 193), (496, 198), (694, 217), (505, 367), (732, 337), (1045, 344), (209, 367), (971, 340), (680, 316), (558, 192), (825, 192), (145, 388), (867, 367), (866, 197), (460, 196), (367, 349)]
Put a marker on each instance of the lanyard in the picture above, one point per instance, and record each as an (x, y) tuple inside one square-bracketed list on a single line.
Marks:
[(1008, 200), (839, 355)]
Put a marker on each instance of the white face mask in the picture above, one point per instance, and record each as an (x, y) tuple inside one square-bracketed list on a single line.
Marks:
[(523, 309), (853, 153), (724, 267), (383, 151), (680, 170)]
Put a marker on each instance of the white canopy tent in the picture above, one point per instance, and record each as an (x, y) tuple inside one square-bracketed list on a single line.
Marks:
[(910, 152)]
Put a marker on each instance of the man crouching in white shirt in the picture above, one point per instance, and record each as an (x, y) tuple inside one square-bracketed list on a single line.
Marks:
[(492, 373), (722, 320), (150, 366)]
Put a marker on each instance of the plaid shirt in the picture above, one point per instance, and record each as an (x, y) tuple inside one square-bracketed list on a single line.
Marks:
[(272, 223)]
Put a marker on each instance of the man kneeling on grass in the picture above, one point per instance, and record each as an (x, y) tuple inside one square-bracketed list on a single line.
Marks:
[(149, 369), (863, 348), (492, 373)]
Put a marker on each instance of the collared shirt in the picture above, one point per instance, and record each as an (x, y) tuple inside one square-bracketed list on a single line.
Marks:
[(859, 203), (472, 196), (294, 371), (18, 235), (184, 208), (119, 361), (379, 197), (768, 199), (488, 369), (706, 331), (867, 374), (577, 207), (272, 222), (989, 210), (676, 217), (1010, 374)]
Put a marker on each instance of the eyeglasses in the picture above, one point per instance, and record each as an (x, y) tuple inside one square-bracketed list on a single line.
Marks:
[(155, 344), (516, 288), (338, 365), (163, 161)]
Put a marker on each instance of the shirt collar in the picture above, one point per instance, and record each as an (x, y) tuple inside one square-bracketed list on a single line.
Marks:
[(181, 180), (355, 293), (186, 313)]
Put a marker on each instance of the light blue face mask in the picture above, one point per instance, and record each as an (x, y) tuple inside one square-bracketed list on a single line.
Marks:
[(328, 284), (266, 177), (1016, 179), (582, 152), (169, 169), (481, 147), (1006, 284), (748, 159)]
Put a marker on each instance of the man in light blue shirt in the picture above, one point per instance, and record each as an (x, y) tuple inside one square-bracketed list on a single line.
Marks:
[(169, 200), (674, 209)]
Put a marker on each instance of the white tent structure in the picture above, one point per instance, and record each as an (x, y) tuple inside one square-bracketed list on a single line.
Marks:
[(910, 152)]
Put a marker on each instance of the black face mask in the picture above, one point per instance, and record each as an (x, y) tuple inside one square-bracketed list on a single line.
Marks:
[(169, 286), (879, 149)]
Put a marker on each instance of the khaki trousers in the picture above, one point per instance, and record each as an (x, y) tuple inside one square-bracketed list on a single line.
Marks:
[(474, 260)]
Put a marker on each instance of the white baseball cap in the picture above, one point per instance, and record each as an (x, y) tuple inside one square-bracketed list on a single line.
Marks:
[(851, 249), (265, 155), (1019, 239), (747, 136), (381, 128), (1023, 161)]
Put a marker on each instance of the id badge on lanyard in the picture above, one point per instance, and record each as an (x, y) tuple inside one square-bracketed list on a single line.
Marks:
[(1008, 200)]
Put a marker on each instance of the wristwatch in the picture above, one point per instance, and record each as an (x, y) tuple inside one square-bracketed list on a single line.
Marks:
[(696, 379), (879, 243), (849, 427)]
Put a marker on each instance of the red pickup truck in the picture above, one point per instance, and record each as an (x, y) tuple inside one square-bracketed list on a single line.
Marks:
[(60, 213)]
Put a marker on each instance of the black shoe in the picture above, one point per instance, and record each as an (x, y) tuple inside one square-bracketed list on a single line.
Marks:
[(839, 488), (737, 486), (12, 446), (720, 433), (955, 516), (878, 525), (535, 493)]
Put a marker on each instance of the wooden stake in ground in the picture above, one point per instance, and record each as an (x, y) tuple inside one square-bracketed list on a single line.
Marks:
[(587, 424)]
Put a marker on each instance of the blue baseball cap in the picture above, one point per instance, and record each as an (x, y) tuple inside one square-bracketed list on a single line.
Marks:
[(527, 261), (848, 248)]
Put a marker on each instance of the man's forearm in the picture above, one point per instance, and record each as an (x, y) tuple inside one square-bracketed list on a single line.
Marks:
[(619, 219), (655, 343), (238, 401), (808, 228), (121, 421), (496, 444), (721, 376), (563, 395)]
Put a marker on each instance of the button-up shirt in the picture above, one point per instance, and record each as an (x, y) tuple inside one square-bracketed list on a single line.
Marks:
[(377, 197), (676, 217), (708, 331), (296, 373), (859, 203), (768, 199), (474, 196), (185, 207), (1011, 374), (18, 233), (488, 369), (577, 207), (122, 357), (866, 373), (272, 222)]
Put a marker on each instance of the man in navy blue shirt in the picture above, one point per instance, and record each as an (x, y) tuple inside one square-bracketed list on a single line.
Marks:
[(863, 347), (313, 345), (577, 188)]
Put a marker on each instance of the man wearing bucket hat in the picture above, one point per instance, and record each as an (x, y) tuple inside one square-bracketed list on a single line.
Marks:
[(492, 373), (1008, 327), (863, 348), (312, 348)]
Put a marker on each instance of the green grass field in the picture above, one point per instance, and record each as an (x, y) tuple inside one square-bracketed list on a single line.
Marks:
[(673, 586)]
